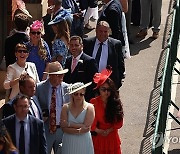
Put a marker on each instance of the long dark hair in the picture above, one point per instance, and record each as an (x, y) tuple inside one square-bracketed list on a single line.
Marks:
[(114, 110), (5, 139)]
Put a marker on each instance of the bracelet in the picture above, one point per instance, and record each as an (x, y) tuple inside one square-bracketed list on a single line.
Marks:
[(69, 124), (79, 130)]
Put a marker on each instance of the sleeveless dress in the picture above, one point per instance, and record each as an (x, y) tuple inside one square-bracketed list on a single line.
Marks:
[(75, 143)]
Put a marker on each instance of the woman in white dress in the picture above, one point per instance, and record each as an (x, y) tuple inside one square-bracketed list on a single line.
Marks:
[(20, 67), (76, 119)]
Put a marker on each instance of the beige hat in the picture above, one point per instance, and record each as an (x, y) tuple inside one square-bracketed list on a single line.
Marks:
[(26, 12), (72, 88), (56, 68)]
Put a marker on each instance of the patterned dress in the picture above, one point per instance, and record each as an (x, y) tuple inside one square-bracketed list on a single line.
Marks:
[(59, 49)]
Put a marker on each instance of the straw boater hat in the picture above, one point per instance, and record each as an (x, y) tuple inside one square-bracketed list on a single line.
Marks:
[(76, 87), (55, 68)]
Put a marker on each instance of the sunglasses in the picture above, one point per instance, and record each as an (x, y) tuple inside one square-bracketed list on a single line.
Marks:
[(24, 51), (79, 94), (34, 33), (105, 89)]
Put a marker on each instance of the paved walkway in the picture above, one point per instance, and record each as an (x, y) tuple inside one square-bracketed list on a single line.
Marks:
[(140, 91)]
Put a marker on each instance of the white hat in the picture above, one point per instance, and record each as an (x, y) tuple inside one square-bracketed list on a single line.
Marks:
[(76, 87), (56, 68)]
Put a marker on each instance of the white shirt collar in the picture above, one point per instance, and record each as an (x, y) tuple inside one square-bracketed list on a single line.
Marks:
[(107, 4), (104, 43), (25, 119), (78, 57)]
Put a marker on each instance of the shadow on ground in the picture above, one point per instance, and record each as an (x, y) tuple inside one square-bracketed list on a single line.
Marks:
[(146, 144), (174, 151)]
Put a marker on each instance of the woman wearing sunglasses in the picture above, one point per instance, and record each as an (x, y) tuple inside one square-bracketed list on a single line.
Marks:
[(38, 49), (76, 119), (6, 144), (108, 115), (19, 68)]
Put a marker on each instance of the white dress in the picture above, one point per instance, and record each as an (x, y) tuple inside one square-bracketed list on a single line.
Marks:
[(77, 143), (14, 71)]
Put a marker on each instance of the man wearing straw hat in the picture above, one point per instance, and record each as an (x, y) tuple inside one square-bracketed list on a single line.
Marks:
[(51, 95)]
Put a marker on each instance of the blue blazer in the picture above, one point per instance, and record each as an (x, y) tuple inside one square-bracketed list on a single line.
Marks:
[(44, 95), (8, 108), (38, 144), (115, 57)]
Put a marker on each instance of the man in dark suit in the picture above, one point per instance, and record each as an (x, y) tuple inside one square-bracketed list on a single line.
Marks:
[(111, 54), (26, 131), (27, 87), (19, 36), (81, 66), (112, 14)]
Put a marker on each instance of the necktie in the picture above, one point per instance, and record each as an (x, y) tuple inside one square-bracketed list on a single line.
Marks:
[(21, 139), (74, 61), (98, 54), (52, 122)]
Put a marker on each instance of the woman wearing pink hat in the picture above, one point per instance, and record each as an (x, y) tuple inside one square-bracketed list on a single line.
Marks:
[(108, 115), (38, 49)]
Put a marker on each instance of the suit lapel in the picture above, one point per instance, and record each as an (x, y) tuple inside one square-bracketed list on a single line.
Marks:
[(91, 46), (14, 129), (110, 47), (46, 92), (35, 100), (31, 134)]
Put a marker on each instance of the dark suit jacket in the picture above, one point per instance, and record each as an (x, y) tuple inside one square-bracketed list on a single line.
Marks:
[(8, 108), (83, 72), (113, 14), (115, 57), (10, 44), (38, 143)]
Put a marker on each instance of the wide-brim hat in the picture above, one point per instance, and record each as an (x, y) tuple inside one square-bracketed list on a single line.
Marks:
[(26, 12), (72, 88), (63, 15), (100, 78), (55, 68)]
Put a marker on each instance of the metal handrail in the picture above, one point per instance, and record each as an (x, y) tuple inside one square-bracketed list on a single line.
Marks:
[(165, 90)]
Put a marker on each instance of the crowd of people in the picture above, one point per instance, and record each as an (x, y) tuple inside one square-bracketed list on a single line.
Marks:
[(63, 89)]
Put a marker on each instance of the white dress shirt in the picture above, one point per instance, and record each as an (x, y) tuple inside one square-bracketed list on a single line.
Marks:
[(26, 133)]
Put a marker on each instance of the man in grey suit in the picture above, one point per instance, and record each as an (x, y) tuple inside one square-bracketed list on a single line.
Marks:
[(51, 95)]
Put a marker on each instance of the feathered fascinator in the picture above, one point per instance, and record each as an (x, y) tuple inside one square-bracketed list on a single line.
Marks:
[(100, 78), (36, 25)]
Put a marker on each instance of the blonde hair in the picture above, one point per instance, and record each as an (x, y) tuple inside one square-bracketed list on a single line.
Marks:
[(42, 52)]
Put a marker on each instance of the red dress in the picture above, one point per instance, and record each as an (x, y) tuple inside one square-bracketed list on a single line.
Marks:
[(109, 144)]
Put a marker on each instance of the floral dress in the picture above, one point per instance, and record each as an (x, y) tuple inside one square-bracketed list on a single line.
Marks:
[(59, 48)]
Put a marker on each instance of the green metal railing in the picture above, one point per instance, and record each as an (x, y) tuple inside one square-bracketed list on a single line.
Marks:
[(165, 91)]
